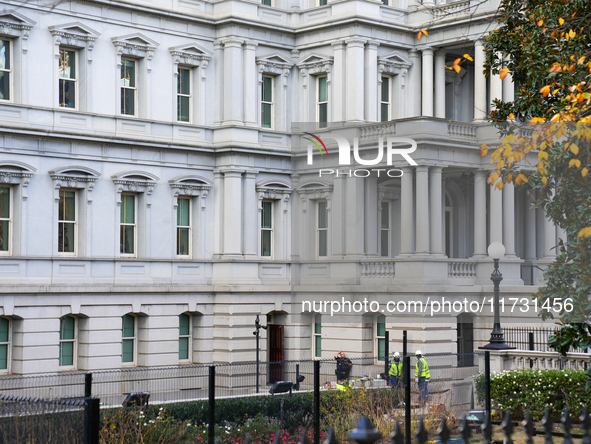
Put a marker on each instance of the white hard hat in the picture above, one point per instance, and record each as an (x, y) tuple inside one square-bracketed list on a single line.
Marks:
[(396, 355), (418, 352)]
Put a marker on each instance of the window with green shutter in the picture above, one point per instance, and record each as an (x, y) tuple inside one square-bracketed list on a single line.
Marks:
[(318, 336), (385, 230), (322, 102), (381, 337), (266, 228), (4, 343), (267, 102), (129, 338), (183, 227), (322, 241), (5, 219), (184, 336), (385, 102), (67, 341), (128, 227), (184, 94)]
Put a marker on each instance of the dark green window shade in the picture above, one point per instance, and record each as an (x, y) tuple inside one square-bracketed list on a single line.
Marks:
[(128, 344), (385, 102), (184, 335), (267, 101), (381, 333), (266, 228), (322, 102), (183, 94), (5, 70), (4, 344), (67, 334), (183, 221), (4, 218), (385, 230), (317, 336)]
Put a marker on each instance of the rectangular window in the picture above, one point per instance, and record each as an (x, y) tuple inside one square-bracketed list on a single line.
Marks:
[(385, 2), (381, 337), (67, 78), (267, 228), (385, 101), (5, 220), (267, 102), (4, 343), (385, 230), (128, 87), (183, 227), (67, 341), (129, 337), (184, 336), (128, 229), (184, 95), (267, 2), (322, 228), (5, 70), (322, 2), (66, 237), (322, 102), (318, 336)]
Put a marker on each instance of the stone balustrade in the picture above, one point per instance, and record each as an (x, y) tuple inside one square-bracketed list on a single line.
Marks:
[(460, 270)]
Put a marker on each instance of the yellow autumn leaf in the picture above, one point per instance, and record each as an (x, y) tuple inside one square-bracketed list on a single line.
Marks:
[(419, 36), (585, 232), (503, 73), (540, 22), (511, 116), (483, 152), (542, 155), (457, 68), (581, 60), (424, 31), (545, 90), (584, 172), (561, 21), (500, 185), (509, 178), (574, 149), (572, 162), (545, 180), (467, 57), (572, 34)]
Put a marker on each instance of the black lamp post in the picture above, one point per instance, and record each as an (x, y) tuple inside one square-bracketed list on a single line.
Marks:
[(258, 326), (496, 250)]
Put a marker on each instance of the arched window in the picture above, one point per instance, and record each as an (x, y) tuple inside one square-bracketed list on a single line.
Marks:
[(129, 339), (68, 341)]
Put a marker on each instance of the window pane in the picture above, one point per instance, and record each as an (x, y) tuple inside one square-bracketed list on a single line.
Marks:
[(266, 115), (322, 244), (322, 115), (384, 109), (267, 2), (184, 82), (385, 215), (67, 327), (385, 2), (128, 73), (4, 54), (128, 326), (266, 243), (318, 324), (183, 348), (4, 235), (67, 205), (267, 89), (127, 239), (182, 213), (322, 2), (322, 222), (183, 108), (4, 202), (266, 222), (67, 91), (386, 89), (128, 101), (381, 349), (65, 237), (4, 85), (322, 90), (127, 350), (66, 353), (381, 325), (127, 209), (182, 246), (184, 325), (4, 356), (384, 243), (318, 346), (4, 324), (67, 68)]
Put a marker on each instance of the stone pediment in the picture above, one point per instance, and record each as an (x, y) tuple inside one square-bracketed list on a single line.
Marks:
[(274, 63), (394, 62), (316, 62), (13, 23), (190, 54), (135, 45), (13, 171), (80, 172), (74, 31)]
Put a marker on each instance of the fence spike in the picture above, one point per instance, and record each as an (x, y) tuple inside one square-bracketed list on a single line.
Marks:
[(443, 431), (331, 437), (397, 436), (247, 439), (547, 425), (465, 429), (421, 435), (507, 427), (566, 423), (365, 432), (585, 423), (528, 427), (487, 430)]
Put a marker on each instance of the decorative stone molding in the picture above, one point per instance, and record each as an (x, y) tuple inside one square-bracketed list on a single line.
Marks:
[(387, 193), (135, 182), (76, 35), (274, 64), (312, 64), (315, 190), (17, 173), (192, 54), (14, 24), (190, 186), (79, 177), (135, 45), (394, 63), (273, 190)]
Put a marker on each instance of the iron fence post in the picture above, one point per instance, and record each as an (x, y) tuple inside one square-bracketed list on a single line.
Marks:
[(487, 382), (386, 352), (404, 343), (531, 347), (88, 385), (211, 433), (316, 402), (92, 420), (407, 406)]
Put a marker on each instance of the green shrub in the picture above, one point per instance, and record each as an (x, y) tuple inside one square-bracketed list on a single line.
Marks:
[(518, 390)]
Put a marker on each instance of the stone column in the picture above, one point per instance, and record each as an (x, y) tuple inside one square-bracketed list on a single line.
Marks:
[(354, 221), (480, 213), (406, 210), (338, 78), (480, 108), (218, 89), (250, 225), (427, 85), (509, 219), (530, 229), (435, 202), (496, 89), (414, 80), (250, 85), (508, 88), (337, 231), (233, 214), (233, 78), (440, 83), (218, 213), (549, 238), (422, 209), (372, 222), (496, 215), (355, 68), (371, 82)]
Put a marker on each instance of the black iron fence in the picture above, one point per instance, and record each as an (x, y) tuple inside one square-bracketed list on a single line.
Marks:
[(533, 339)]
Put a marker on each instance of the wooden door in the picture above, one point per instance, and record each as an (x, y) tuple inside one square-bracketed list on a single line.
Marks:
[(276, 353)]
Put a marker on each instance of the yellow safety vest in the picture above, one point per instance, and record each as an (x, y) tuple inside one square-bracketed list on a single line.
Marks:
[(342, 387), (396, 369), (424, 371)]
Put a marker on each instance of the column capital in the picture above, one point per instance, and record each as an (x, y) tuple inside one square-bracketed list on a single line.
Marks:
[(355, 42), (250, 174), (338, 45), (372, 44), (407, 169), (217, 44), (435, 169), (441, 52), (232, 42), (481, 173), (251, 46), (422, 168), (427, 50)]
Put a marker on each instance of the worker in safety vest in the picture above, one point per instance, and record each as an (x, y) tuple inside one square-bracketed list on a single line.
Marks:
[(422, 376), (396, 372)]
